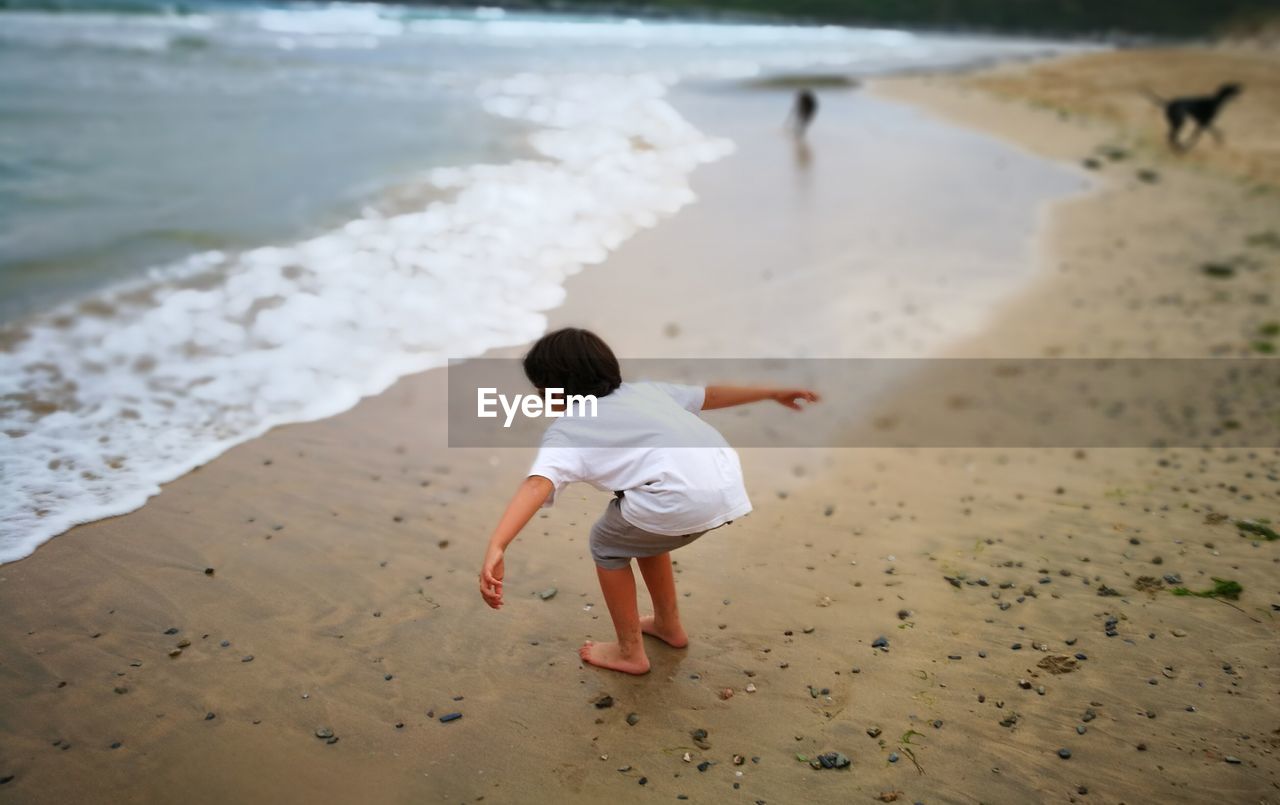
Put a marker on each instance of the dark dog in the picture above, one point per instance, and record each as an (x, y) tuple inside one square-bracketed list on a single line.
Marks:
[(1201, 110)]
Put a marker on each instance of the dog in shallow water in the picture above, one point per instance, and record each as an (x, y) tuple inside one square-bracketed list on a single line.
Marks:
[(1201, 110)]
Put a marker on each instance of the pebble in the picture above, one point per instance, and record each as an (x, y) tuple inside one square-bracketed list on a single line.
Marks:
[(880, 642), (447, 717), (210, 716), (247, 658), (324, 733), (603, 702), (893, 757), (699, 737), (831, 760), (1065, 754), (208, 571), (548, 594), (171, 630), (633, 719), (1232, 759)]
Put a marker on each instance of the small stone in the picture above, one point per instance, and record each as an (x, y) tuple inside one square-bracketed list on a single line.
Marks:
[(893, 757), (1232, 759), (874, 732), (447, 717), (171, 630), (210, 716), (548, 594), (324, 733), (1065, 754), (208, 571), (832, 760), (880, 642), (603, 702), (633, 719), (247, 658), (699, 737), (174, 652), (751, 687)]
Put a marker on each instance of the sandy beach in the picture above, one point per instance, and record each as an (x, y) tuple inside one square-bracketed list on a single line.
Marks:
[(321, 578)]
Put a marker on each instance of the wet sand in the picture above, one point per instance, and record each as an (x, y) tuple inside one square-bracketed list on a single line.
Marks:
[(343, 552)]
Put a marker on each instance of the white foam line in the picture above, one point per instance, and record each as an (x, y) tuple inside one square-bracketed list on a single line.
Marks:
[(101, 409)]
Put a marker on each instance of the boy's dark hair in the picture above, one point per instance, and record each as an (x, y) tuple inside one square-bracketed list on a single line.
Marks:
[(576, 360)]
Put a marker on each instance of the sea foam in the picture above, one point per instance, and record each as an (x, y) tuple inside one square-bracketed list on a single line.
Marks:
[(107, 400)]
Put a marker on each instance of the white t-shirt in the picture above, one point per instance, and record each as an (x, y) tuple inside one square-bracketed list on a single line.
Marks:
[(678, 473)]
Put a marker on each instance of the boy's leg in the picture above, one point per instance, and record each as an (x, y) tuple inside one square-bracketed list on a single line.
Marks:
[(664, 623), (626, 655)]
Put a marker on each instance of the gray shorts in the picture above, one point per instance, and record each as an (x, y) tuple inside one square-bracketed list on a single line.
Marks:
[(615, 542)]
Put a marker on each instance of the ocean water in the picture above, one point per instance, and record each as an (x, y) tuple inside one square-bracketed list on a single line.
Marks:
[(223, 217)]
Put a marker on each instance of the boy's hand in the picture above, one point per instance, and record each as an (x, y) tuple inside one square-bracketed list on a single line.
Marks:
[(491, 573), (791, 398)]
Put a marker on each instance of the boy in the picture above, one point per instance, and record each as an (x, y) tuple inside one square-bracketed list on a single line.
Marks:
[(673, 476)]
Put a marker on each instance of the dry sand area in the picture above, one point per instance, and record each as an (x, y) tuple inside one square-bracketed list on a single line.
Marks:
[(964, 625)]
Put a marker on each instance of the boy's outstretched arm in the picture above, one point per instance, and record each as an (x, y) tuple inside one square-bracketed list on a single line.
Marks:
[(729, 396), (528, 498)]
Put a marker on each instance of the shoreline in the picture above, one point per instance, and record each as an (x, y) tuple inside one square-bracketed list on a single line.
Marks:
[(343, 553)]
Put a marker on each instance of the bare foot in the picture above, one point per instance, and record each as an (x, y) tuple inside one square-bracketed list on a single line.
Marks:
[(609, 655), (676, 638)]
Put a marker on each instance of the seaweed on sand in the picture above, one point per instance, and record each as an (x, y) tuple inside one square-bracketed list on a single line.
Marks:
[(1222, 588)]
